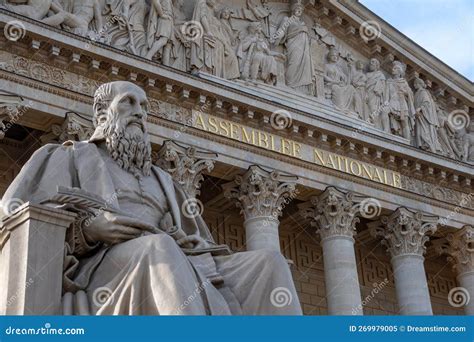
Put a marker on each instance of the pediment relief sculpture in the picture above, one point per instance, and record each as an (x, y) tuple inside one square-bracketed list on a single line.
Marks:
[(279, 43)]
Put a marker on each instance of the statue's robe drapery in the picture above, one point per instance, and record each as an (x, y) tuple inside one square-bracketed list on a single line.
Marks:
[(375, 96), (426, 124), (299, 66), (400, 99), (149, 274)]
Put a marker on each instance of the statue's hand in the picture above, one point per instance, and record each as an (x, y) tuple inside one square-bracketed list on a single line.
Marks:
[(112, 229), (195, 240)]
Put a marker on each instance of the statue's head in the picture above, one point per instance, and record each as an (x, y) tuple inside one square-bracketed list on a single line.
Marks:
[(360, 65), (120, 113), (419, 83), (297, 9), (225, 13), (374, 64), (255, 27), (333, 55), (398, 69)]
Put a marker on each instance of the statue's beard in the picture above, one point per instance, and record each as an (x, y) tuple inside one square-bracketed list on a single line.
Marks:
[(131, 151)]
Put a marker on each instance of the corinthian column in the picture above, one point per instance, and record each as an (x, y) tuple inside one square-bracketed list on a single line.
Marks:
[(186, 165), (261, 195), (333, 213), (461, 255), (405, 233)]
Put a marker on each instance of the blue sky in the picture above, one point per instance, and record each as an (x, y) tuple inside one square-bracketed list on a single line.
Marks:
[(445, 28)]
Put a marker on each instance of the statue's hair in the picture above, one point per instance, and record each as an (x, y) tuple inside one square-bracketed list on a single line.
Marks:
[(297, 4), (419, 80), (102, 98), (401, 65), (375, 59)]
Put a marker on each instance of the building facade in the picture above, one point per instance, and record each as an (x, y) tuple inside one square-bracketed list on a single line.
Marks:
[(309, 127)]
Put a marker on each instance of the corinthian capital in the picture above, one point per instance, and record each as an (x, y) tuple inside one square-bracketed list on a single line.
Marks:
[(10, 109), (333, 213), (405, 231), (185, 164), (461, 249), (74, 127), (261, 193)]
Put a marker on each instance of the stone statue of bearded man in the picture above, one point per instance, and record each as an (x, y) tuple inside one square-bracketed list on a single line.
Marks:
[(138, 254)]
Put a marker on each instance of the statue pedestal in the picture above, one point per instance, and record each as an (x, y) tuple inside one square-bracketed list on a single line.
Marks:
[(31, 260)]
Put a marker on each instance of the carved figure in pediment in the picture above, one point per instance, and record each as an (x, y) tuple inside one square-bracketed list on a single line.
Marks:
[(160, 29), (212, 53), (426, 119), (294, 35), (231, 34), (338, 86), (449, 140), (399, 103), (376, 84), (256, 10), (180, 45), (359, 82), (125, 26), (76, 16), (468, 144), (257, 61), (34, 9)]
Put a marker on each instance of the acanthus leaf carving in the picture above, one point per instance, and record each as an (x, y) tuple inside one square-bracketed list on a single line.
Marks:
[(405, 232), (261, 193)]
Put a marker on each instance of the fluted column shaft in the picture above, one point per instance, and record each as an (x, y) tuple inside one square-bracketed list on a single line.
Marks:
[(334, 214), (261, 195), (461, 255), (405, 234)]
